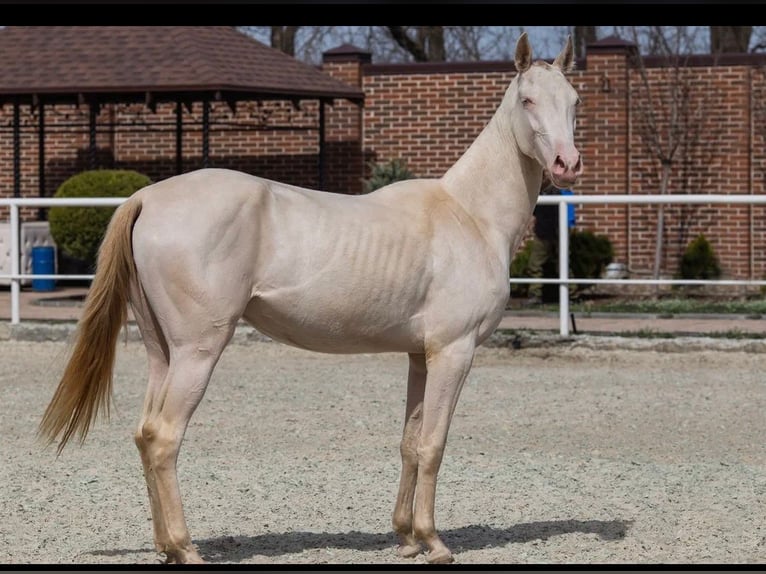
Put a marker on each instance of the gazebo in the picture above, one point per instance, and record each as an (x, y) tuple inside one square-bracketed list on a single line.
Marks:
[(43, 66)]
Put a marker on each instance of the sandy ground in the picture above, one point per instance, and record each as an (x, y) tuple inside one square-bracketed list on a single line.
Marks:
[(582, 456)]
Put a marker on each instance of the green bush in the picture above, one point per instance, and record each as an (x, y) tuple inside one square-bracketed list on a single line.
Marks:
[(385, 173), (78, 231), (589, 254), (699, 260), (520, 268)]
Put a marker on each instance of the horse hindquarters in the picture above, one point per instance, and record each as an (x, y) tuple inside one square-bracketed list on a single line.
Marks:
[(186, 314)]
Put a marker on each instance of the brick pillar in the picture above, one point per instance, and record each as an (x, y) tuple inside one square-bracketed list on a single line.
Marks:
[(343, 127), (605, 139)]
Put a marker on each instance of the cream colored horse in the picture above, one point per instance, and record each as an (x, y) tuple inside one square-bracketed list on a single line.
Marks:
[(419, 266)]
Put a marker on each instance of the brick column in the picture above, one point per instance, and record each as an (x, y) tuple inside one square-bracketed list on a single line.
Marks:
[(604, 135), (343, 127)]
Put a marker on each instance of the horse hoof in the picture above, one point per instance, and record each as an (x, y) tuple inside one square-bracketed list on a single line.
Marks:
[(183, 557), (194, 559), (409, 550), (440, 557)]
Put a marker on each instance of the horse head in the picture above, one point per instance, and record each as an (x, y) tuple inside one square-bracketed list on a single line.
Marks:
[(543, 112)]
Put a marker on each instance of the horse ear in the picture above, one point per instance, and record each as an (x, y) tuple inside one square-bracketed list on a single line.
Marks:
[(523, 58), (565, 60)]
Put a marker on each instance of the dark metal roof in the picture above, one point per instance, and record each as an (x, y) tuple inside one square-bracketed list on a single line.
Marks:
[(118, 63)]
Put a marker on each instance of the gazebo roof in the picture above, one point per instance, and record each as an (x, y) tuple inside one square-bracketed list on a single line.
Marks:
[(153, 63)]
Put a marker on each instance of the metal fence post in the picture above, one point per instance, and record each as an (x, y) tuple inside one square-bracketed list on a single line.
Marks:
[(563, 268), (15, 271)]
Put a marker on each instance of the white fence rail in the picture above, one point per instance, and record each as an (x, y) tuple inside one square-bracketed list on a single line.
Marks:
[(15, 277)]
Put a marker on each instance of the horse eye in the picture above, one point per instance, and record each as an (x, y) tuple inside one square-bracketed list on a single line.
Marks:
[(526, 102)]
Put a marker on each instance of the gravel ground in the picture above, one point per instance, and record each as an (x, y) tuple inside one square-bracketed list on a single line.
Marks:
[(555, 456)]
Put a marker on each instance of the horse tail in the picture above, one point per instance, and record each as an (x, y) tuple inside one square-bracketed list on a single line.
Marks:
[(86, 385)]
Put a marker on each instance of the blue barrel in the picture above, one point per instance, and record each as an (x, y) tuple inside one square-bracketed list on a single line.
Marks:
[(43, 263)]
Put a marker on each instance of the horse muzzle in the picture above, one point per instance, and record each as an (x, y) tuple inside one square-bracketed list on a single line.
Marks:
[(566, 168)]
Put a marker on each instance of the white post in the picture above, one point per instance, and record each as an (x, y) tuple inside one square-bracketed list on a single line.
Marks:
[(563, 268), (15, 281)]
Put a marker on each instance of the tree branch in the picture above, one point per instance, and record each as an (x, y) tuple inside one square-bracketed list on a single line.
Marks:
[(399, 35)]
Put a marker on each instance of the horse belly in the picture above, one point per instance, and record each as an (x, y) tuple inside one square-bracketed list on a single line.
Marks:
[(342, 326)]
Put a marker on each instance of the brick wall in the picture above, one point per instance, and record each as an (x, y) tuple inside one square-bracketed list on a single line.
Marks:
[(428, 114)]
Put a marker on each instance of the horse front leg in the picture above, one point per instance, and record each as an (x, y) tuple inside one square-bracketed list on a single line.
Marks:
[(447, 370), (402, 519)]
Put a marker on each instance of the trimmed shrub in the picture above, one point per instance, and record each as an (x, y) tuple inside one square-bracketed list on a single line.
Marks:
[(589, 254), (78, 231), (699, 260), (385, 173)]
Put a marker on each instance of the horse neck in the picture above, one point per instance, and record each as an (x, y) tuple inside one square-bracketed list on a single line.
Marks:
[(496, 183)]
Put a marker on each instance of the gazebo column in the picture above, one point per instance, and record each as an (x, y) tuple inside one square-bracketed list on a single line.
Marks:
[(92, 149), (16, 150), (205, 133), (179, 137)]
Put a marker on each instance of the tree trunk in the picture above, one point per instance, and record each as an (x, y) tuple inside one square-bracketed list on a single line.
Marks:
[(582, 36), (427, 46), (730, 39), (433, 39), (283, 38)]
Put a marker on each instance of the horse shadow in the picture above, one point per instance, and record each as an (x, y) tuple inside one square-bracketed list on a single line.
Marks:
[(475, 537)]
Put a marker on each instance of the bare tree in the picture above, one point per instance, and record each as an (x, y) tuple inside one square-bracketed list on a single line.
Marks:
[(670, 117), (470, 43), (424, 43), (758, 39), (466, 42), (417, 43), (725, 39), (283, 38), (582, 36), (455, 43), (654, 40), (303, 42)]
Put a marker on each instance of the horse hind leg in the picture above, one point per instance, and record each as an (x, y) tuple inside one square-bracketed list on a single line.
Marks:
[(402, 517), (161, 433), (157, 354), (157, 372), (180, 368)]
